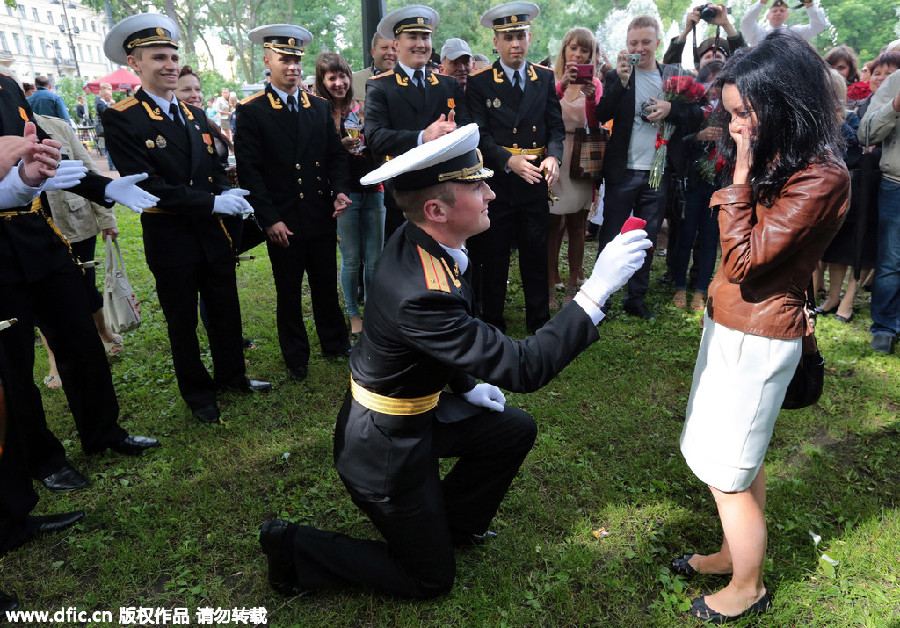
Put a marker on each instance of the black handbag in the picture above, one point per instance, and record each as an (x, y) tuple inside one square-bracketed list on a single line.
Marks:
[(806, 386)]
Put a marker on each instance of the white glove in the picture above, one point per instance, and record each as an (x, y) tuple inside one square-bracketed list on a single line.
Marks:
[(232, 203), (620, 259), (125, 191), (68, 174), (486, 396)]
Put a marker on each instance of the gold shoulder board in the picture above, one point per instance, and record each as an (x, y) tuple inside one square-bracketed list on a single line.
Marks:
[(435, 276)]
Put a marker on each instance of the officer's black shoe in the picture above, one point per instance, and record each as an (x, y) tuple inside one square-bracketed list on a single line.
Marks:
[(207, 414), (134, 445), (64, 479), (298, 373), (7, 603), (276, 539), (37, 525), (252, 385), (464, 539), (640, 310)]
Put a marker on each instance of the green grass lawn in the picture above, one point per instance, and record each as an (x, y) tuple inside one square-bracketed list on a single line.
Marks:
[(178, 527)]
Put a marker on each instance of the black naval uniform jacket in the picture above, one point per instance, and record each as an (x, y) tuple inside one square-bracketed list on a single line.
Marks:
[(292, 163), (617, 102), (420, 335), (29, 248), (397, 110), (536, 122), (185, 173)]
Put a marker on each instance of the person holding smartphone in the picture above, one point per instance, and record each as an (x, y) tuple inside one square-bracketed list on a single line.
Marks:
[(578, 91)]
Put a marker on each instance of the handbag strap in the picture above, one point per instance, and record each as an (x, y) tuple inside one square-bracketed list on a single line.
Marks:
[(114, 253)]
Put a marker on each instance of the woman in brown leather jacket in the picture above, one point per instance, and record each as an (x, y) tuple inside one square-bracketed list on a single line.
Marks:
[(787, 200)]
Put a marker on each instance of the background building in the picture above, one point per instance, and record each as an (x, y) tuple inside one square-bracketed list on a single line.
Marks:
[(54, 38)]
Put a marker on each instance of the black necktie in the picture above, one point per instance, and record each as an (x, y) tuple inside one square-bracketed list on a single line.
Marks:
[(516, 89), (418, 79), (292, 103), (176, 118)]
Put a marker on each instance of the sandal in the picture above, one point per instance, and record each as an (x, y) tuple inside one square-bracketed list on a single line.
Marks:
[(680, 298), (553, 302), (682, 567), (698, 302), (114, 346), (52, 381), (570, 293), (701, 610)]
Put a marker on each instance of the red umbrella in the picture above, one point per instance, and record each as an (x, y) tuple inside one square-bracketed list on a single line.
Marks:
[(121, 80)]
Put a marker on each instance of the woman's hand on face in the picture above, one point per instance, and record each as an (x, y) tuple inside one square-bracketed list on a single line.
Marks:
[(743, 154)]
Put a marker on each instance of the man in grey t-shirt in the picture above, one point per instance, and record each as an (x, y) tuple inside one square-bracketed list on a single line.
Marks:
[(632, 146)]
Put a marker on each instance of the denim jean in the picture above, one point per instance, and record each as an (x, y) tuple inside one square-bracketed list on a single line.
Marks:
[(361, 230), (886, 284), (698, 221), (632, 193)]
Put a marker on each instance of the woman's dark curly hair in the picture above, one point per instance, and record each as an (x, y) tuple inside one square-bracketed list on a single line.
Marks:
[(783, 80)]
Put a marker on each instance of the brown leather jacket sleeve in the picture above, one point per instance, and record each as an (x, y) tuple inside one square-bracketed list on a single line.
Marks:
[(769, 253)]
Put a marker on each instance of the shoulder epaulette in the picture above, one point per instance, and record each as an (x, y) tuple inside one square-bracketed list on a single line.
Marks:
[(480, 70), (543, 67), (252, 97), (382, 75), (435, 276), (125, 104), (316, 96)]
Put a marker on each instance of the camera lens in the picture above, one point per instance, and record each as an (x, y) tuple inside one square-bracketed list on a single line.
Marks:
[(708, 12)]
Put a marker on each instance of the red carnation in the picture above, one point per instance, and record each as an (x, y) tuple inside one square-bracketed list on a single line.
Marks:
[(859, 91)]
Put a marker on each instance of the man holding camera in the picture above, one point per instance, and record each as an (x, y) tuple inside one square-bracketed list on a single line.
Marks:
[(632, 97), (777, 15), (711, 48)]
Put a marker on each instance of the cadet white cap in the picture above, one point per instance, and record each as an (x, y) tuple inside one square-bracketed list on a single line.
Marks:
[(511, 16), (287, 39), (139, 31), (451, 157), (415, 18)]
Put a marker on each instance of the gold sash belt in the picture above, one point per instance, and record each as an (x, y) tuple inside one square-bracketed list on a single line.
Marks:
[(390, 405)]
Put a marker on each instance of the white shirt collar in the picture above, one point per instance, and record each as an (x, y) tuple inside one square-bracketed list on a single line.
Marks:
[(509, 72), (162, 103), (409, 71), (284, 95), (459, 256)]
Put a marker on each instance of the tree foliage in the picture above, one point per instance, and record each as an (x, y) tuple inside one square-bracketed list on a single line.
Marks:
[(336, 26)]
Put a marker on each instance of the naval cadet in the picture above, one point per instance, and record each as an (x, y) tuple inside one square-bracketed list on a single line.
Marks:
[(516, 107), (419, 336), (39, 272), (290, 157), (187, 247), (410, 104)]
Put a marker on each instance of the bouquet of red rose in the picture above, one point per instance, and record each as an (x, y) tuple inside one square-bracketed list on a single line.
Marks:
[(859, 91), (680, 89)]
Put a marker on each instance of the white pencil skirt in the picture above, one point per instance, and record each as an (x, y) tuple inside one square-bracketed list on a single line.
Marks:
[(739, 384)]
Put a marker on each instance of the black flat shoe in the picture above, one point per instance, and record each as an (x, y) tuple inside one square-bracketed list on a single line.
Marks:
[(831, 310), (8, 603), (682, 566), (843, 319), (298, 373), (275, 538), (134, 445), (207, 414), (703, 612), (65, 479), (639, 310), (37, 525)]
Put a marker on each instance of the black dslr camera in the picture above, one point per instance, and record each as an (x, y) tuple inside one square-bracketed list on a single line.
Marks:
[(708, 11)]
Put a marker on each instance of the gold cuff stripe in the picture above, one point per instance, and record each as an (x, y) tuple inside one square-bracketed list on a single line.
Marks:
[(388, 405)]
